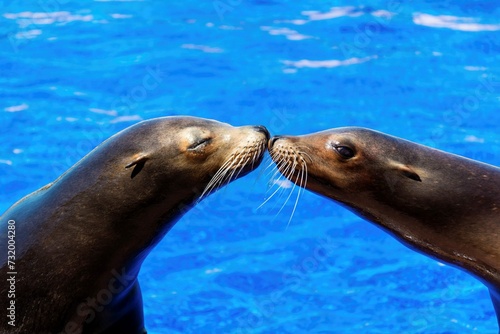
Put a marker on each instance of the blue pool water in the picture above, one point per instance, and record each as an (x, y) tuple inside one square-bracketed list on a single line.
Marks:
[(72, 73)]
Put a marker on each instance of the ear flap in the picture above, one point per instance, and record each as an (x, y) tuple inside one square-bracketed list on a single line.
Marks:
[(407, 171), (138, 162)]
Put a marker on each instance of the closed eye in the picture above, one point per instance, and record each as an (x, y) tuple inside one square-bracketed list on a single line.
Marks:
[(199, 144)]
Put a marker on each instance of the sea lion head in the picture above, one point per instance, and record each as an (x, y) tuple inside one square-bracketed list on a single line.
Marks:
[(436, 202), (148, 175), (194, 154), (345, 164)]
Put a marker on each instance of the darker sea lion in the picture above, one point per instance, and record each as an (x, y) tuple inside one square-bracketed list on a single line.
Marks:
[(440, 204), (80, 241)]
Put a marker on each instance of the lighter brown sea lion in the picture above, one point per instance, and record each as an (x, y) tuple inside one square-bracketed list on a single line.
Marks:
[(80, 241), (441, 204)]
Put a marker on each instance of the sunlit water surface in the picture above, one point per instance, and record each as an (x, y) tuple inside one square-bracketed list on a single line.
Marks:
[(74, 73)]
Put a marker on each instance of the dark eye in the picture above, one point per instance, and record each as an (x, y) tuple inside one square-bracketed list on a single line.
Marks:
[(200, 144), (344, 151)]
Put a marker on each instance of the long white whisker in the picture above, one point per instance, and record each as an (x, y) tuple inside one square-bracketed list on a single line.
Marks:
[(242, 161), (271, 170), (256, 150), (272, 195), (238, 170), (256, 156), (277, 181), (292, 170), (247, 155), (286, 173), (219, 175), (303, 176), (292, 165), (279, 166)]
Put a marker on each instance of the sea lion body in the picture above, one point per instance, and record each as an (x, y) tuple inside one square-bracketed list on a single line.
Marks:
[(80, 241), (438, 203)]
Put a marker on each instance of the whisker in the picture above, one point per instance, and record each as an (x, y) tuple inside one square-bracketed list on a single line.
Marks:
[(292, 166), (278, 166), (277, 182), (303, 175), (241, 162), (285, 174), (243, 156), (272, 195), (262, 171), (219, 175), (270, 166), (292, 171), (256, 152), (305, 154), (236, 172)]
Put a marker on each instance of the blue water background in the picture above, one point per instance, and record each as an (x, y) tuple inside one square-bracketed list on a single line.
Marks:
[(74, 73)]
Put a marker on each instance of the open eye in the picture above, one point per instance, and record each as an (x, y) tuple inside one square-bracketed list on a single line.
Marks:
[(199, 144), (344, 151)]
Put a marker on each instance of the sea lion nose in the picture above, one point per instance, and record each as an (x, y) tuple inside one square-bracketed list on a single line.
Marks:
[(271, 141), (262, 129)]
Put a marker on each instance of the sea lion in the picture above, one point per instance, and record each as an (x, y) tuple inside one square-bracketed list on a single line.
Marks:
[(80, 241), (441, 204)]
